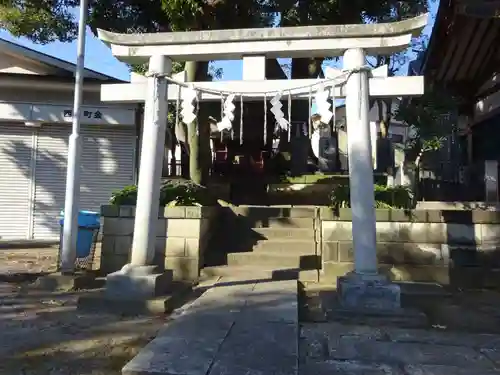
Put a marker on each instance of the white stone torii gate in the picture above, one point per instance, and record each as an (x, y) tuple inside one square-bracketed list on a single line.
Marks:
[(253, 46)]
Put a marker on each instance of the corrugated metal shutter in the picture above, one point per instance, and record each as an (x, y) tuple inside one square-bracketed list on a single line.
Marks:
[(108, 159), (16, 147), (107, 165), (50, 180)]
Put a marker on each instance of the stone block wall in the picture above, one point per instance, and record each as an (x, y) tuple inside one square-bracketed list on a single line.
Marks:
[(450, 247), (182, 237), (459, 247)]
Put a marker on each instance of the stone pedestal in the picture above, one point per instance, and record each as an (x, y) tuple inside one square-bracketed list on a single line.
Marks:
[(136, 290), (138, 283), (368, 293)]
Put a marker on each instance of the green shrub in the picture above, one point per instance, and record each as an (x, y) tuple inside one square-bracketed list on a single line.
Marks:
[(176, 192), (124, 197), (385, 197)]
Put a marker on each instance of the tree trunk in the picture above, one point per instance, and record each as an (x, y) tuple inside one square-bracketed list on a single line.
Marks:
[(198, 140), (384, 116), (303, 68), (415, 176)]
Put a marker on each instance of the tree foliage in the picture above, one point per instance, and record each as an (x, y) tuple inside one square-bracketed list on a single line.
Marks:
[(41, 21), (430, 118), (48, 20), (44, 21)]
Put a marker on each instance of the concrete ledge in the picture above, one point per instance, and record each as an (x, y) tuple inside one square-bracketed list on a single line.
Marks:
[(436, 205), (179, 212), (420, 215), (102, 302), (61, 282), (437, 274)]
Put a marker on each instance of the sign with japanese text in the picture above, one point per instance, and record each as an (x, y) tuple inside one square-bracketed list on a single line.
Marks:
[(54, 114), (68, 113), (89, 115)]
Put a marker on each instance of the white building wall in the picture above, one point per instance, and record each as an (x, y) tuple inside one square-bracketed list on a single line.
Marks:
[(33, 160)]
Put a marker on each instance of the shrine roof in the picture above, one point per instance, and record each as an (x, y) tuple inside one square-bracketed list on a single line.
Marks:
[(463, 51), (413, 26)]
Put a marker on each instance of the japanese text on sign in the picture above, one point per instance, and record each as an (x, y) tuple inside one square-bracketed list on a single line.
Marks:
[(68, 113)]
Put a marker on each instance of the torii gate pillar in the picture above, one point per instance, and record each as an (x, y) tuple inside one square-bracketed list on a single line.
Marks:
[(141, 279), (365, 287)]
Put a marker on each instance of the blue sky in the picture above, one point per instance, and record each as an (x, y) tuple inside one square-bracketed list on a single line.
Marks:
[(98, 57)]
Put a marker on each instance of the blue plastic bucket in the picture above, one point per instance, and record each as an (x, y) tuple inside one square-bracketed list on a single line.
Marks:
[(88, 222)]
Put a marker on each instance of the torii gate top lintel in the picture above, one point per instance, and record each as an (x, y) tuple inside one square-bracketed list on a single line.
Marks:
[(301, 41)]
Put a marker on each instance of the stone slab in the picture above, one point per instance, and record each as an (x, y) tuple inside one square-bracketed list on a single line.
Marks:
[(362, 349), (407, 353), (493, 354), (214, 335), (186, 346), (331, 367), (254, 349), (483, 342), (444, 370), (101, 302), (221, 300), (357, 292), (62, 282), (487, 342), (272, 302)]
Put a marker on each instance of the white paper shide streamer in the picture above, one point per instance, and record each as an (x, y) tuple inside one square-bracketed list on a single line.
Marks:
[(227, 114), (322, 105), (278, 113), (189, 96)]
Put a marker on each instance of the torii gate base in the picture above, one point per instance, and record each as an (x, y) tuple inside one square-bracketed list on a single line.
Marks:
[(362, 294)]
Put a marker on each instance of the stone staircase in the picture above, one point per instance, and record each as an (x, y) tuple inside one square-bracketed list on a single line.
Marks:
[(259, 242)]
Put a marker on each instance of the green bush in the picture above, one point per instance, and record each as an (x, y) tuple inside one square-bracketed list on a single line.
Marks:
[(176, 192), (385, 197)]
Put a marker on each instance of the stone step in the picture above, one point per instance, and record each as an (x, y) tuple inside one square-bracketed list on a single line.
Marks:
[(285, 233), (258, 273), (263, 212), (290, 223), (285, 247), (247, 238), (267, 260)]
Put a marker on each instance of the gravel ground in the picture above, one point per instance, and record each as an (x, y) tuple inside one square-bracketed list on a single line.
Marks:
[(43, 333)]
